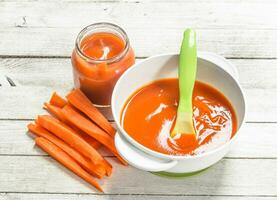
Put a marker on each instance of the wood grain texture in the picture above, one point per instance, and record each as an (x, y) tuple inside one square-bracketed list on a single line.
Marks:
[(13, 196), (142, 13), (3, 81), (36, 79), (57, 72), (16, 140), (37, 38), (255, 140), (228, 177), (49, 28), (230, 43)]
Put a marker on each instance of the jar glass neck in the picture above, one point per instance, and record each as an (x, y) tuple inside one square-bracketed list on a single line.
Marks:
[(102, 28)]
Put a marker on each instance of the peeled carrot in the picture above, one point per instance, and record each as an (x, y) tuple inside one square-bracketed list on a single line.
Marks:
[(108, 167), (90, 140), (57, 100), (96, 171), (79, 100), (91, 129), (59, 155), (70, 137), (57, 112)]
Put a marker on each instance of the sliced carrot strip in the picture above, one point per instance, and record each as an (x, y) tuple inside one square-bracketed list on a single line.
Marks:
[(70, 137), (57, 112), (57, 100), (79, 100), (91, 129), (90, 140), (96, 171), (109, 167), (63, 158)]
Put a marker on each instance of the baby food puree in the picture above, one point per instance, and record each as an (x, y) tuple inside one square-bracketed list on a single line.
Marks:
[(149, 113), (101, 55)]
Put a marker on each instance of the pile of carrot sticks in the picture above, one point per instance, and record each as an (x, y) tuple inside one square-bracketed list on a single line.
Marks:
[(72, 135)]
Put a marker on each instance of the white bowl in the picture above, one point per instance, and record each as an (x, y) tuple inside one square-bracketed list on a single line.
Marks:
[(212, 69)]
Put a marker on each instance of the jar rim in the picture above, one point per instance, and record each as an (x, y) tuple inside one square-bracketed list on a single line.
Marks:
[(117, 29)]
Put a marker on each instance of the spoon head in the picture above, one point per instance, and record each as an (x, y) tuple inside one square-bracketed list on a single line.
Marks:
[(183, 125)]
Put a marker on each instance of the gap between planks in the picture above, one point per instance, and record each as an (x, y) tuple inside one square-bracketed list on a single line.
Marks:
[(111, 156), (112, 121), (137, 57), (133, 194)]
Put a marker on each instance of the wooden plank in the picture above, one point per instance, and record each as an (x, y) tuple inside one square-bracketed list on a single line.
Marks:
[(144, 14), (16, 140), (22, 196), (228, 177), (257, 73), (36, 79), (234, 43), (57, 72), (255, 140), (3, 81), (153, 27)]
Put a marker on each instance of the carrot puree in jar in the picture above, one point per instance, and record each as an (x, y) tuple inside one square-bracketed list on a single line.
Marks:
[(101, 56), (102, 46), (149, 113)]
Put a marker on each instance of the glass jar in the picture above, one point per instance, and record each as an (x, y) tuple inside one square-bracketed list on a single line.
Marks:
[(102, 53)]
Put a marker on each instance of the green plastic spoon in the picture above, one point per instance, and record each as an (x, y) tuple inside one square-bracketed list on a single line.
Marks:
[(187, 75)]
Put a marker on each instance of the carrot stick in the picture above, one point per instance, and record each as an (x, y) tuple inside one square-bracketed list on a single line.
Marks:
[(108, 167), (57, 112), (79, 100), (91, 129), (57, 100), (90, 140), (96, 171), (70, 137), (59, 155)]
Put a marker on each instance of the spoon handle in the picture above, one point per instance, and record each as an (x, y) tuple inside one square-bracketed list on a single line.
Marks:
[(187, 71)]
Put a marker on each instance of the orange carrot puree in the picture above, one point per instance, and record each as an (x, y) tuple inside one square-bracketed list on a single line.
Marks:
[(102, 46), (95, 75), (149, 113)]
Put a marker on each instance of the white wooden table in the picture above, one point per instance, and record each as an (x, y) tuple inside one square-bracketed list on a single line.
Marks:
[(36, 39)]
